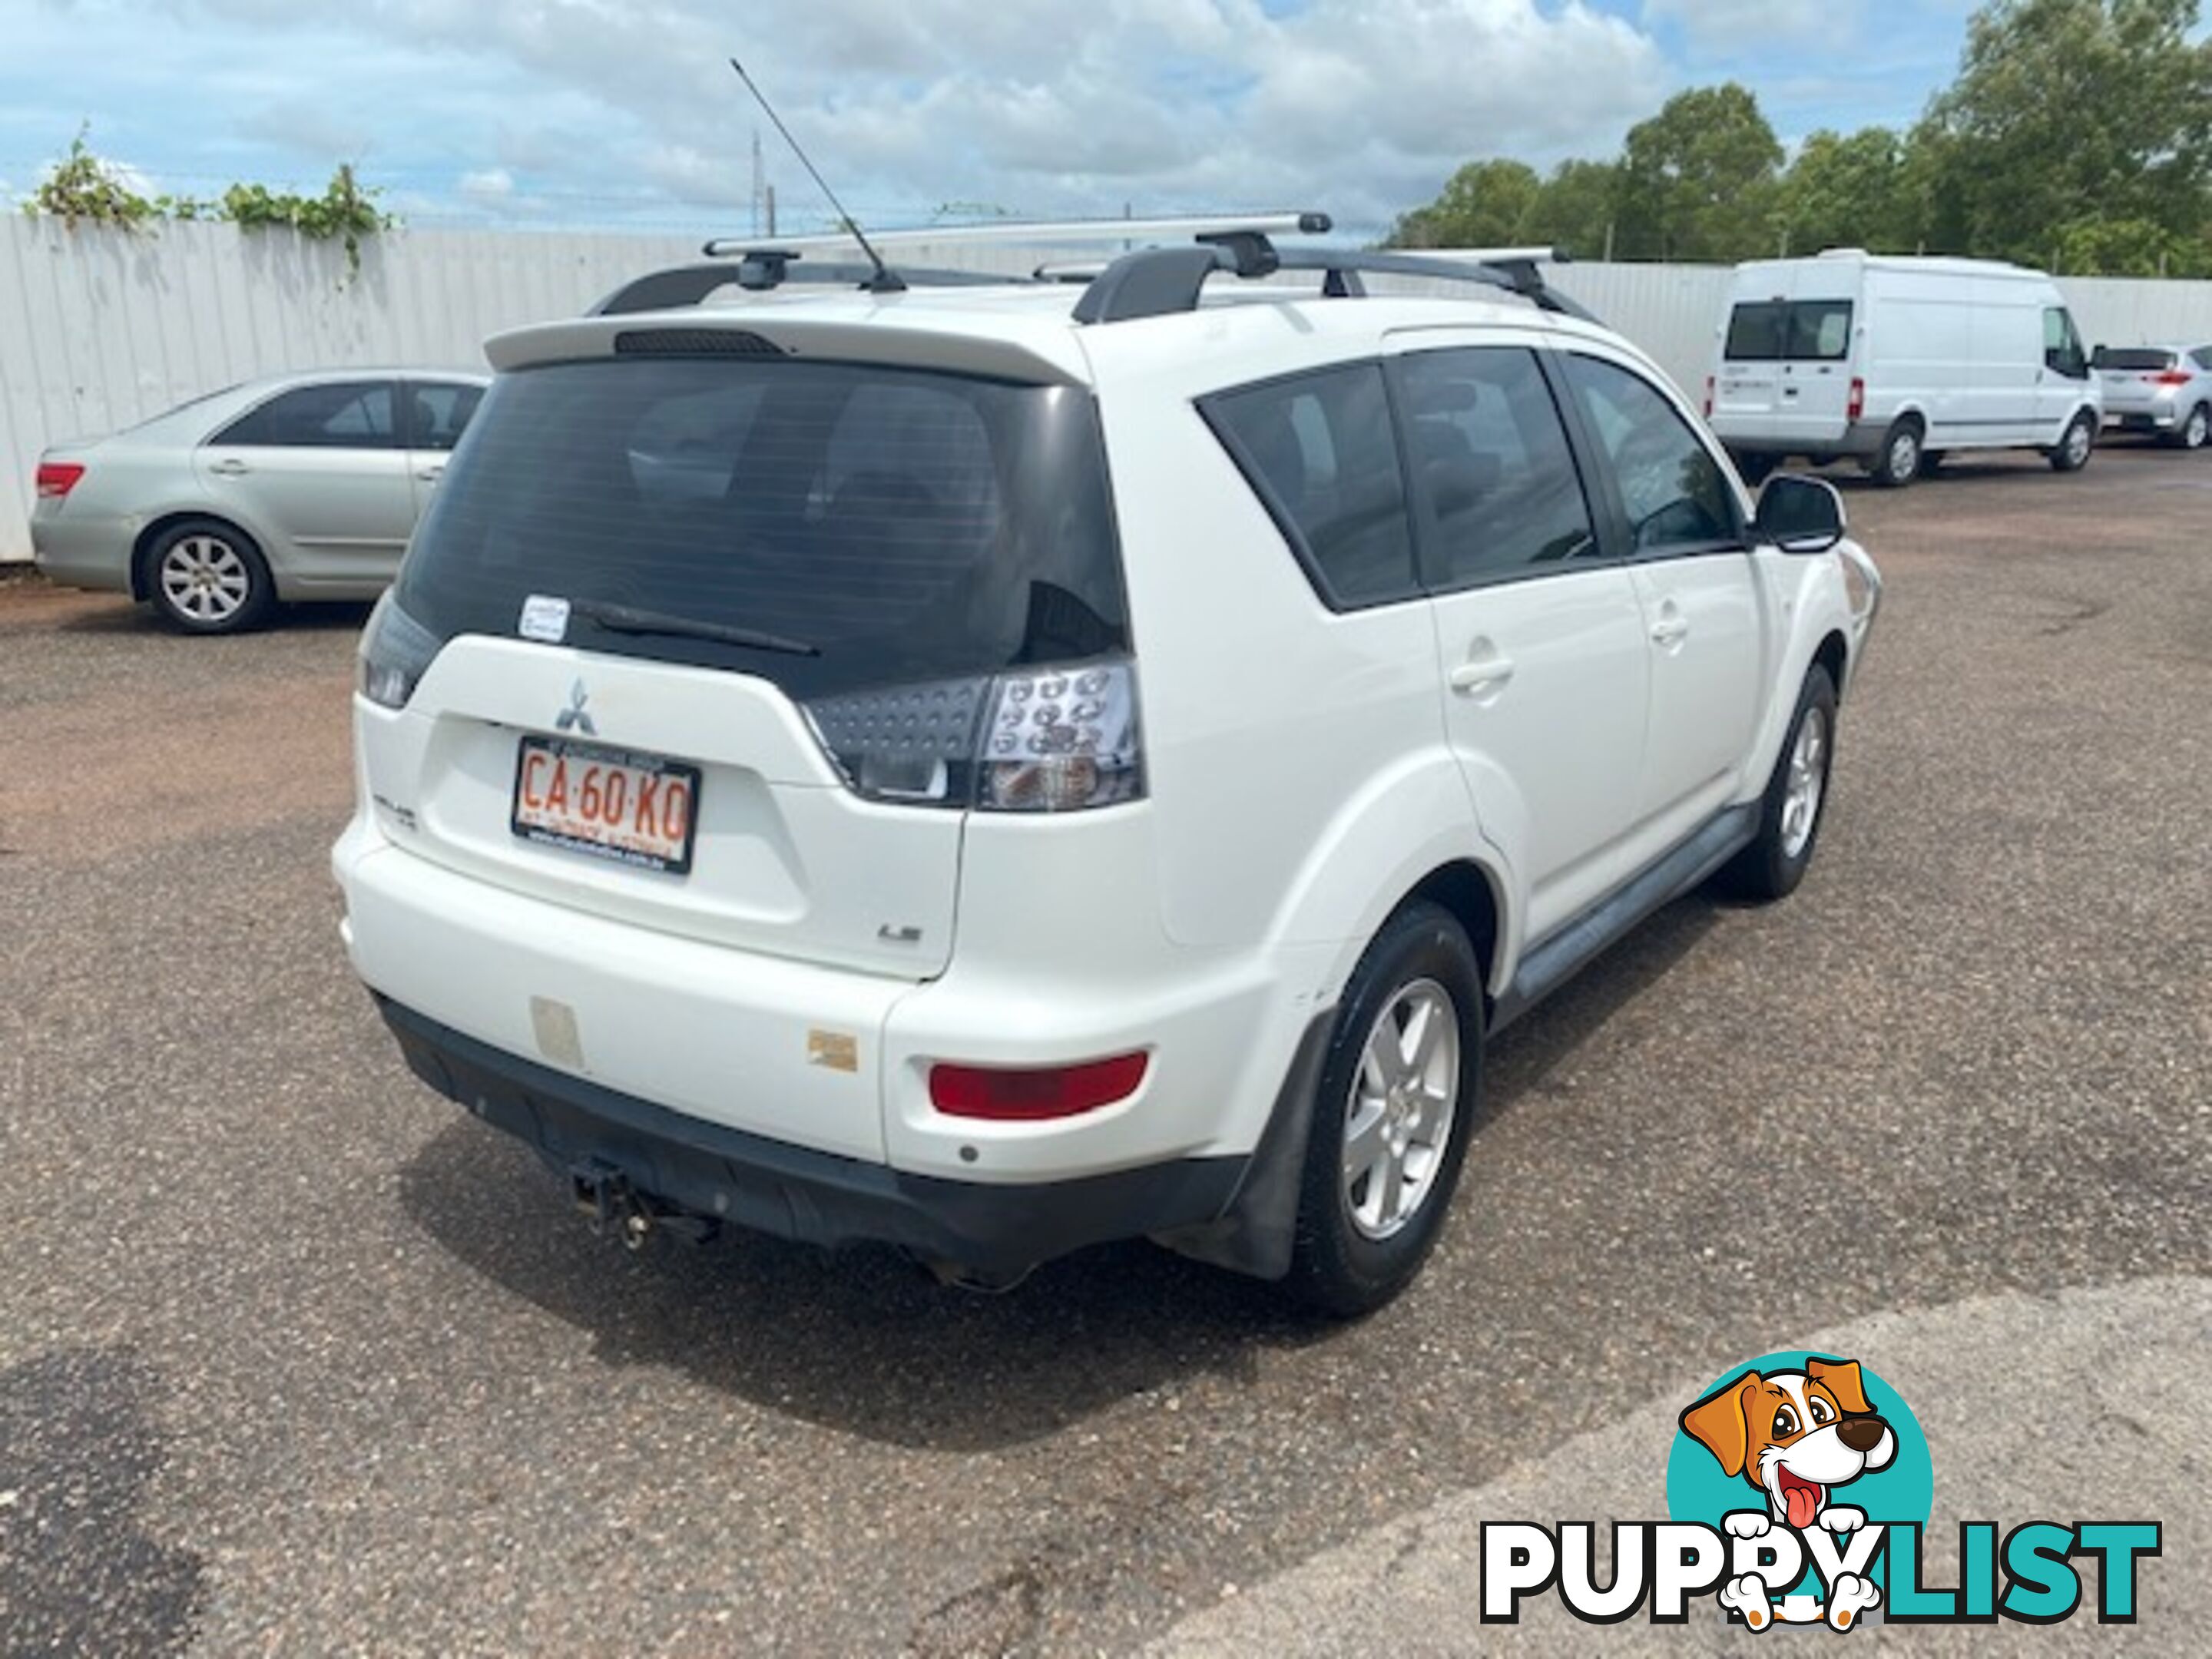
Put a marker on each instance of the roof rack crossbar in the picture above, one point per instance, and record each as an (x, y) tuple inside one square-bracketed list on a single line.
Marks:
[(758, 270), (1160, 282)]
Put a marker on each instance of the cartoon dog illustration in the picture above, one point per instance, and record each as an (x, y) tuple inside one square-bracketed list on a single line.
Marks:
[(1795, 1436)]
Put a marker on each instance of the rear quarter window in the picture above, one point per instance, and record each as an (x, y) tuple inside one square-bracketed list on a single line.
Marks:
[(1320, 451)]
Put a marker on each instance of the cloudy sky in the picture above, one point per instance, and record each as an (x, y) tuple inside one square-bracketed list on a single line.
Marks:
[(624, 111)]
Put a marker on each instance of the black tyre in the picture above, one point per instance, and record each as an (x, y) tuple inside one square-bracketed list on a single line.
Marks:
[(206, 576), (2195, 430), (1897, 463), (1797, 794), (1391, 1116), (2073, 450)]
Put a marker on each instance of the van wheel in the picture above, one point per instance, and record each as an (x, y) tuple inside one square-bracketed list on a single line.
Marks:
[(2072, 453), (1897, 463), (2197, 430), (1392, 1114), (1771, 868)]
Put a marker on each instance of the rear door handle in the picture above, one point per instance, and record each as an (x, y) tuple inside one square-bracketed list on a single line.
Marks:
[(1485, 675), (1670, 631), (230, 468)]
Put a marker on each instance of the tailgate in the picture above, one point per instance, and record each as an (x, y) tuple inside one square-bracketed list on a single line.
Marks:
[(782, 858)]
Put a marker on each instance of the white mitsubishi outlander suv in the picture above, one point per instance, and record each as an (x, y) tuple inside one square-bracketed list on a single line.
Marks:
[(993, 768)]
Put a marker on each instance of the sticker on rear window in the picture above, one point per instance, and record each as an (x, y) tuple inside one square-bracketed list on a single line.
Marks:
[(543, 618)]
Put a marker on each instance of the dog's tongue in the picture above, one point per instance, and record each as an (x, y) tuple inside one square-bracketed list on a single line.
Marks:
[(1804, 1504)]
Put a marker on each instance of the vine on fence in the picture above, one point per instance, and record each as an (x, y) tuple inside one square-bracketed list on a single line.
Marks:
[(82, 188)]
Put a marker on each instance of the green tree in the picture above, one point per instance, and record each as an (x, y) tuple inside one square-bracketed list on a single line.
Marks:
[(1482, 206), (2067, 115), (1698, 179), (1575, 209), (1846, 193)]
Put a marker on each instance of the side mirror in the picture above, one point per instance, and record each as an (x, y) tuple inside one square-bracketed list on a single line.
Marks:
[(1799, 514)]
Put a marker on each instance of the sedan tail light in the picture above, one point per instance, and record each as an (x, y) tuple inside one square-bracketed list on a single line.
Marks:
[(1031, 1095), (2170, 377), (58, 478)]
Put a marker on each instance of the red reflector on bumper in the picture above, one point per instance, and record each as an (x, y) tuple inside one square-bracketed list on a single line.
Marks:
[(1008, 1095)]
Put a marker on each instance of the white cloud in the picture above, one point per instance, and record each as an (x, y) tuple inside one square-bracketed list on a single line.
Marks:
[(1735, 27), (1359, 106)]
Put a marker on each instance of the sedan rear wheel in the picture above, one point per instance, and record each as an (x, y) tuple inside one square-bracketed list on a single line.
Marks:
[(206, 577), (2197, 430)]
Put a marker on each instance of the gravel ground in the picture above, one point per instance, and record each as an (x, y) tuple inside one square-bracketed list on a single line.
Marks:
[(295, 1358)]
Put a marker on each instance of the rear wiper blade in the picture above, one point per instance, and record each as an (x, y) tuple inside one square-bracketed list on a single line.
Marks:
[(628, 619)]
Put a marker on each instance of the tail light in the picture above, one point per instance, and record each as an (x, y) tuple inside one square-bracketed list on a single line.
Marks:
[(2164, 377), (1036, 740), (57, 478), (395, 652), (1031, 1095), (1856, 409), (1708, 397)]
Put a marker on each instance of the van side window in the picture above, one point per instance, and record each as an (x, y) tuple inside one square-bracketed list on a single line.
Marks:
[(1676, 498), (2061, 345), (1486, 444), (1320, 451)]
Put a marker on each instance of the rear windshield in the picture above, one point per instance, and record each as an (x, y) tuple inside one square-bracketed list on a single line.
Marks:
[(2139, 359), (1803, 331), (909, 525)]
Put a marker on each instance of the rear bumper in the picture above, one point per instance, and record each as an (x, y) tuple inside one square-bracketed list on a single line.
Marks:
[(1860, 439), (83, 551), (796, 1193)]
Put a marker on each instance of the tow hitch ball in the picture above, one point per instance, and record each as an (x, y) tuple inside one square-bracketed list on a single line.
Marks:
[(611, 1205)]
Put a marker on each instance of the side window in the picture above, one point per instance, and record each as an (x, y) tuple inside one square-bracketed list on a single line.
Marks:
[(439, 411), (1673, 492), (1320, 451), (2062, 346), (345, 415), (2203, 357), (1493, 457)]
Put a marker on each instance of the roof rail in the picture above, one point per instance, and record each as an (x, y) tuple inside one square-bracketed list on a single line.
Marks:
[(757, 270), (1161, 282), (1055, 232)]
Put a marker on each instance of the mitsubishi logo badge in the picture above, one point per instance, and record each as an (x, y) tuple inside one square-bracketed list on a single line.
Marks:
[(573, 717)]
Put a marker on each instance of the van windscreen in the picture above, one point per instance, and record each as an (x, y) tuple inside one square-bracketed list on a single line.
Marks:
[(894, 524)]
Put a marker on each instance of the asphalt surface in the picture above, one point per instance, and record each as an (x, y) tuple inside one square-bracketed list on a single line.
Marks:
[(295, 1358)]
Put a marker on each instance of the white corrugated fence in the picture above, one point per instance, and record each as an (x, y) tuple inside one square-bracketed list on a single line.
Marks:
[(101, 328)]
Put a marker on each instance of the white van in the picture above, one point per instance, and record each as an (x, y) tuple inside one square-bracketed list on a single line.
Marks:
[(1899, 363)]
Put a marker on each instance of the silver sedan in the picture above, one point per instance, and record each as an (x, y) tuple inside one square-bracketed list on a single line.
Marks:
[(305, 487)]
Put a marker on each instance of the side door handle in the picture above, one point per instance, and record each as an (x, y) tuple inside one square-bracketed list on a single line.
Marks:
[(1670, 630), (1484, 674), (431, 474), (229, 467)]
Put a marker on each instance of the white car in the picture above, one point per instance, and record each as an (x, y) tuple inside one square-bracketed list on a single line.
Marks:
[(1899, 363), (996, 769)]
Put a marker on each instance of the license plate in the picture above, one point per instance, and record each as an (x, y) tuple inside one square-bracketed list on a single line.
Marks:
[(635, 808)]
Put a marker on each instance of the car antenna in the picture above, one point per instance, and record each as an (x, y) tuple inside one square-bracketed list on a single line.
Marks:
[(886, 280)]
